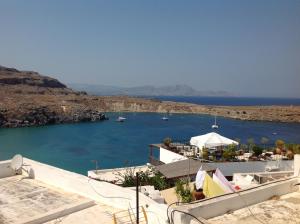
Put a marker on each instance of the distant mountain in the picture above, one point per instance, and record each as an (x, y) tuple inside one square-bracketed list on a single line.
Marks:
[(176, 90)]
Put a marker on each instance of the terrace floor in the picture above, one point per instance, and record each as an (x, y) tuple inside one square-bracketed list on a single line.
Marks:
[(278, 210)]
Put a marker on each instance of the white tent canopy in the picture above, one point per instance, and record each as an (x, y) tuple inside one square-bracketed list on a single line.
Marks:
[(211, 140)]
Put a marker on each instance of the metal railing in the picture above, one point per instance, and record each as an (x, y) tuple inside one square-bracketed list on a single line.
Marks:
[(154, 161), (129, 216)]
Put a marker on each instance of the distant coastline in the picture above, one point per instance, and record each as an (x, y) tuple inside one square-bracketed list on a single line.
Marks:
[(230, 100)]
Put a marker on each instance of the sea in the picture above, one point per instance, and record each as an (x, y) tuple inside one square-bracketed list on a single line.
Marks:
[(113, 144)]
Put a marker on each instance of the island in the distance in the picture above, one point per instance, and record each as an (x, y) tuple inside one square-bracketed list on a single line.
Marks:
[(28, 99)]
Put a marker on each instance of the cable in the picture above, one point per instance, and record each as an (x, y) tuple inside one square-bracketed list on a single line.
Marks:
[(186, 213), (247, 207), (101, 194)]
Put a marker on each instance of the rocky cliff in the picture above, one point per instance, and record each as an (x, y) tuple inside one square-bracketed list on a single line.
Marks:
[(28, 98)]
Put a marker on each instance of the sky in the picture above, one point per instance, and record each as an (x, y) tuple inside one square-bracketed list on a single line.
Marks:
[(248, 48)]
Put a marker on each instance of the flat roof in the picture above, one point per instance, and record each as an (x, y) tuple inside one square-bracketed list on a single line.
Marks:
[(183, 168)]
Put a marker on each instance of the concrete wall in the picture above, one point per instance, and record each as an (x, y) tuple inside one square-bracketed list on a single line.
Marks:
[(5, 170), (102, 192), (220, 205), (166, 156)]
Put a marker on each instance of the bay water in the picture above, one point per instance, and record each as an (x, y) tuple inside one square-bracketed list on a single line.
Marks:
[(114, 144)]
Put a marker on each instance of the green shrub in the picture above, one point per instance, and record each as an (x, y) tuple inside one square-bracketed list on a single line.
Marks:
[(149, 177)]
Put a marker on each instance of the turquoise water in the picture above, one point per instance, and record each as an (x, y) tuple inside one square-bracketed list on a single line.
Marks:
[(73, 146)]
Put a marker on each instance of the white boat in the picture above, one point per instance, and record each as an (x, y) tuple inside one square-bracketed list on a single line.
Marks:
[(165, 118), (121, 119), (215, 126)]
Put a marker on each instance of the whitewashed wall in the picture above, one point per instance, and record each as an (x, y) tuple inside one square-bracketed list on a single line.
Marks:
[(166, 156)]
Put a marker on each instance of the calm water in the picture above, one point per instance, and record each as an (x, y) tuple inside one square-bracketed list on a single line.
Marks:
[(73, 146), (232, 101)]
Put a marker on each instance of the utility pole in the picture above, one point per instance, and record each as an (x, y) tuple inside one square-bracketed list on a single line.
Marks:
[(96, 164)]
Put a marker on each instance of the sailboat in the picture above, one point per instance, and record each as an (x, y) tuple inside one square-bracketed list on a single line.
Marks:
[(165, 118), (120, 118), (215, 126)]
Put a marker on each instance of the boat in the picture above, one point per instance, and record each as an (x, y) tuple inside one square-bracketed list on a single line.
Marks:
[(215, 126), (121, 119), (165, 118)]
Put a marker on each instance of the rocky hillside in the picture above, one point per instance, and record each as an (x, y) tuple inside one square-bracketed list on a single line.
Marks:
[(28, 98)]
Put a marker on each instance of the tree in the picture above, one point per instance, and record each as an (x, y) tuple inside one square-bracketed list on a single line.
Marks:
[(264, 141), (279, 144), (296, 149), (229, 152), (251, 143), (167, 141), (205, 154), (238, 140)]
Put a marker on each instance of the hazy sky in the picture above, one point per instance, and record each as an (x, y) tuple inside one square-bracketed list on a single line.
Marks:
[(250, 48)]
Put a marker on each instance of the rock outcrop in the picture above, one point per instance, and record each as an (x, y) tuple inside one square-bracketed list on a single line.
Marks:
[(31, 99)]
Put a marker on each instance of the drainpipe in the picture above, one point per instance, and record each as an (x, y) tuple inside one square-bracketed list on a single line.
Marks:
[(297, 165)]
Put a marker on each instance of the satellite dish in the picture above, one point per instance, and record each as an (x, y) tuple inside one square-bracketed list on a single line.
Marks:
[(16, 162)]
